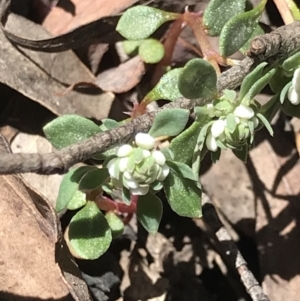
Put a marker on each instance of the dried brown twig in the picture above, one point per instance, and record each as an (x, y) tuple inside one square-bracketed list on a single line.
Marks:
[(270, 47), (231, 254)]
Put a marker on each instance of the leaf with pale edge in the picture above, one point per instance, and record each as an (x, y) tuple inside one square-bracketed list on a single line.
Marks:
[(218, 12), (169, 122), (68, 129), (139, 22), (149, 211), (238, 30), (198, 79), (78, 200), (89, 232), (292, 62), (182, 170), (69, 186), (183, 195), (265, 123)]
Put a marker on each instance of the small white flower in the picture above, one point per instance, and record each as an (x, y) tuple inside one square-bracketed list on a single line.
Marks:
[(159, 157), (218, 128), (124, 151), (141, 190), (165, 170), (243, 112), (111, 167), (211, 110), (123, 164), (293, 96), (296, 80), (144, 141), (211, 143), (146, 153)]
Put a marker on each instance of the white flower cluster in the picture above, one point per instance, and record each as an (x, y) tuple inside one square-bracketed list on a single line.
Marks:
[(139, 165), (294, 91), (242, 115)]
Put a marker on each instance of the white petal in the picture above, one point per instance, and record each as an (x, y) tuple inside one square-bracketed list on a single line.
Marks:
[(111, 167), (211, 110), (124, 151), (144, 141), (211, 143), (255, 121), (293, 96), (127, 175), (159, 157), (243, 112), (165, 172), (123, 164), (146, 153), (132, 184), (218, 127), (140, 190), (296, 80)]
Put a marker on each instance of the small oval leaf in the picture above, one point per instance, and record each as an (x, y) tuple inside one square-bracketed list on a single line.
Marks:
[(78, 200), (93, 179), (149, 212), (183, 196), (197, 79), (238, 30), (151, 51), (218, 12), (68, 129), (169, 122), (69, 186), (115, 224), (167, 87), (139, 22), (89, 232)]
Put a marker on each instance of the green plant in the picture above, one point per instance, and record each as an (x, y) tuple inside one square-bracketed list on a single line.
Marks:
[(139, 169)]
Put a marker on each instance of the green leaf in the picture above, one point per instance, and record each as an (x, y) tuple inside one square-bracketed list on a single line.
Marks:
[(108, 124), (68, 129), (183, 196), (231, 122), (242, 154), (115, 223), (202, 135), (131, 47), (89, 232), (149, 212), (290, 110), (126, 196), (258, 86), (93, 179), (250, 80), (230, 95), (188, 139), (169, 122), (292, 62), (218, 12), (284, 92), (69, 186), (168, 153), (78, 201), (198, 79), (151, 51), (167, 87), (223, 105), (238, 30), (257, 31), (137, 155), (139, 22), (265, 123), (182, 170), (278, 81)]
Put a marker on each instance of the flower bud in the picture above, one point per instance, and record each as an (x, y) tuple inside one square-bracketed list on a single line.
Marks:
[(165, 170), (243, 112), (211, 143), (145, 141), (218, 127), (296, 80), (293, 96), (124, 151), (159, 157)]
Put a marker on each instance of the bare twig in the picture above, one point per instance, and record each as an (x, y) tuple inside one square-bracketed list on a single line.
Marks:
[(271, 47), (230, 251)]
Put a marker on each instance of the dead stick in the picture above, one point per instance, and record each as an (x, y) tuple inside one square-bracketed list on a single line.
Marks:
[(270, 48), (230, 251)]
